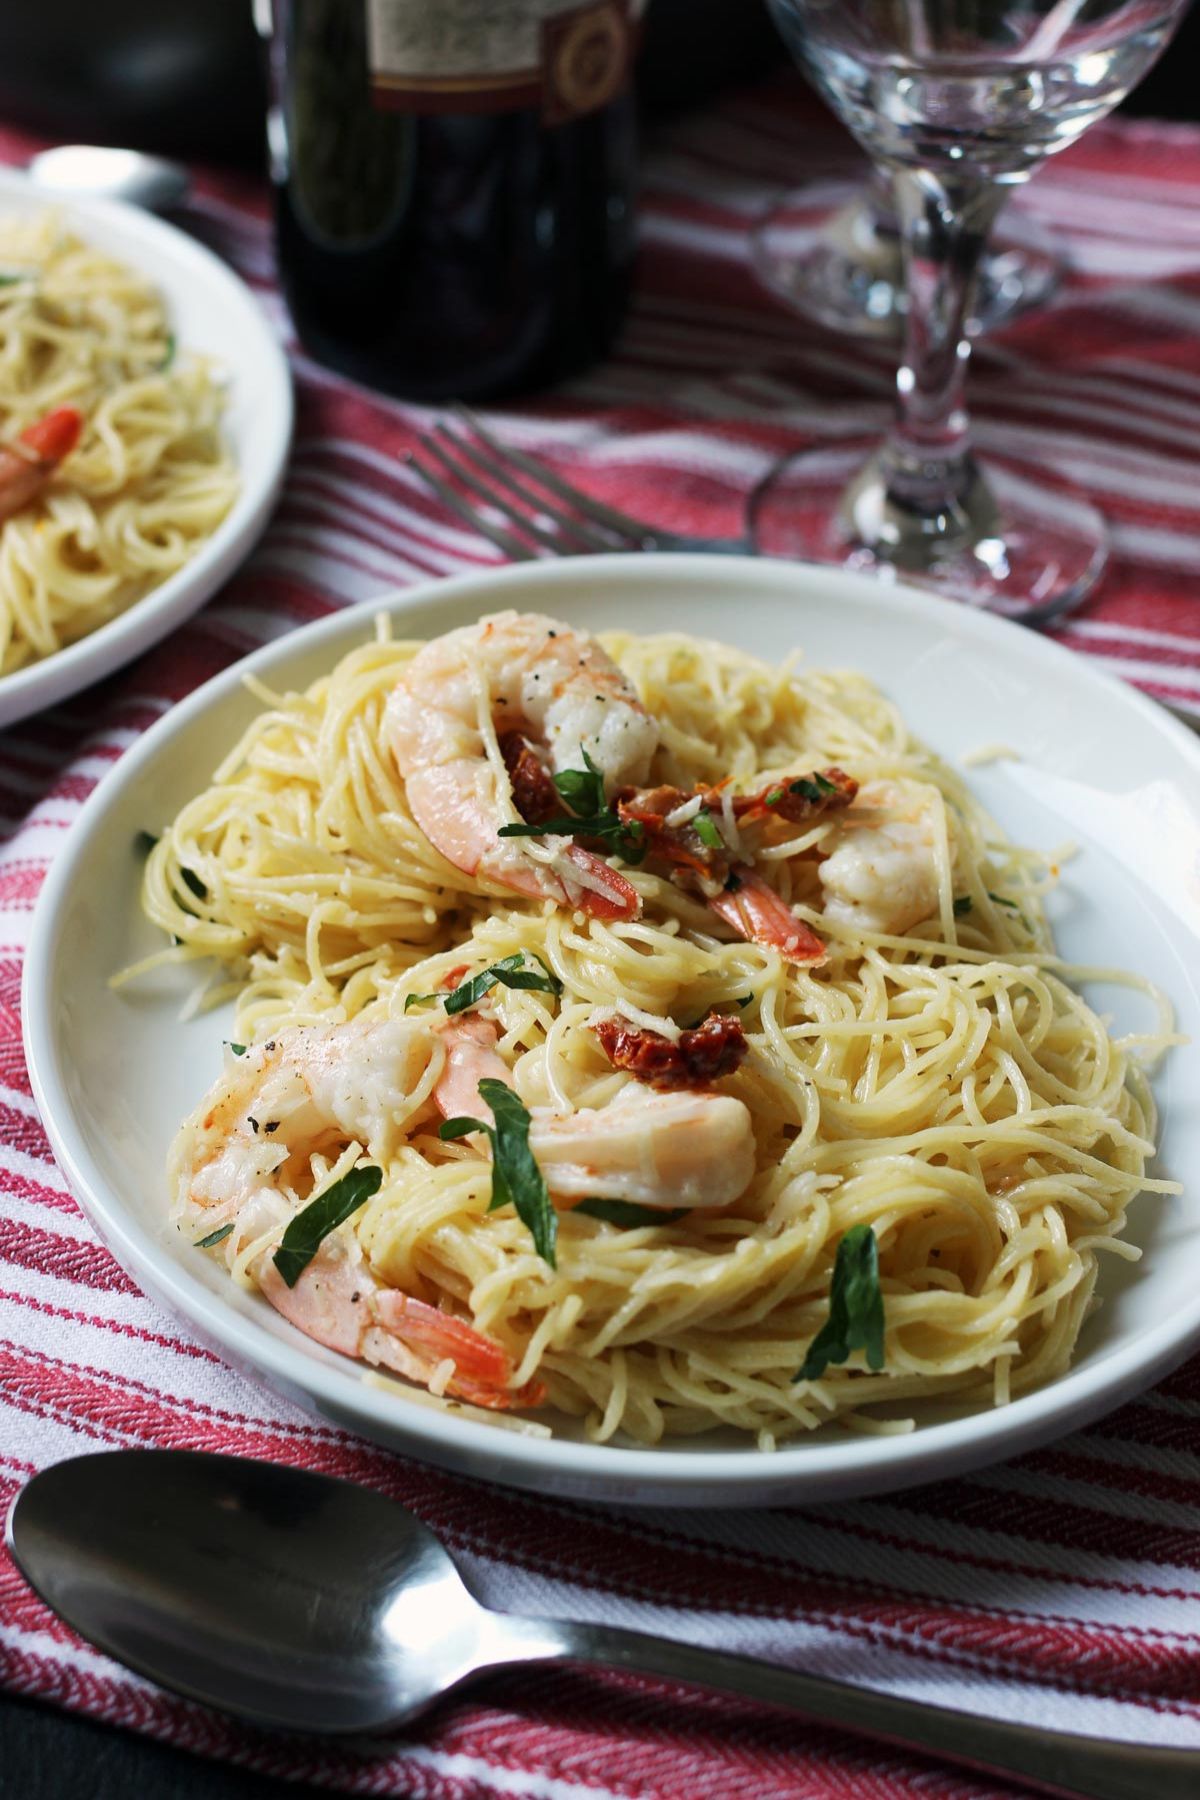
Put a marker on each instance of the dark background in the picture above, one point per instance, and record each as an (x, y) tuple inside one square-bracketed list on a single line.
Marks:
[(184, 76)]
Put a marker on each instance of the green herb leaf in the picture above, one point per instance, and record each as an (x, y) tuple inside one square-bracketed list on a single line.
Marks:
[(169, 354), (813, 787), (622, 840), (309, 1229), (193, 882), (508, 972), (582, 789), (962, 905), (214, 1237), (144, 842), (855, 1319), (743, 1000), (460, 1127), (238, 1049), (12, 280), (707, 832), (629, 1214), (774, 797), (516, 1179), (1001, 901)]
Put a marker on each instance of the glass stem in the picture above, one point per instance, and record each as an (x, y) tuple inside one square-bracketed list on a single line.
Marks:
[(926, 460)]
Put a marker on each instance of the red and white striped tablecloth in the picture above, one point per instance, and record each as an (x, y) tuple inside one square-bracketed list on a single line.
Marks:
[(1064, 1587)]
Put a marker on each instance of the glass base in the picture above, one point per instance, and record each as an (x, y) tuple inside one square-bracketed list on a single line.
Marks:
[(1024, 542), (833, 258)]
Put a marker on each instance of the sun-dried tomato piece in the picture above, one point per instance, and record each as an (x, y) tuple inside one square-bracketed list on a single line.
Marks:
[(697, 1059), (534, 793)]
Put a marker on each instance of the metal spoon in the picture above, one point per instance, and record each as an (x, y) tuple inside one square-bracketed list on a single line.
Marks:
[(313, 1605), (98, 172)]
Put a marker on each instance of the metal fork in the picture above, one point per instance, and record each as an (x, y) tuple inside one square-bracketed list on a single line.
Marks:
[(527, 510)]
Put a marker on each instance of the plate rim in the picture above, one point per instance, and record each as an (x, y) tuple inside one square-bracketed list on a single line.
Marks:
[(807, 1471), (89, 659)]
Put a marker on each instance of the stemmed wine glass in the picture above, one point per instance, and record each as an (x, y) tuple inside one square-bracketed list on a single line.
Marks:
[(959, 101)]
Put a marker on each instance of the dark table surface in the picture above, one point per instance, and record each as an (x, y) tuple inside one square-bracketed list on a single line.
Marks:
[(46, 1754)]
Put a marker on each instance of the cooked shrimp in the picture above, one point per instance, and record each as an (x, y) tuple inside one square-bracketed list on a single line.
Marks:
[(556, 687), (29, 463), (304, 1091), (882, 876), (757, 914), (670, 820), (658, 1149)]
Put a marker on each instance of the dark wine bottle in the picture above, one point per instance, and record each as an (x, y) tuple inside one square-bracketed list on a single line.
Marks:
[(453, 181)]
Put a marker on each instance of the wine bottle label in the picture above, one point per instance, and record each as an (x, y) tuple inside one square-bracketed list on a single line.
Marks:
[(430, 56)]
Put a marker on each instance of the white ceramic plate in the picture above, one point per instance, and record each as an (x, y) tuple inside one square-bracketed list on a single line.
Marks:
[(211, 311), (114, 1072)]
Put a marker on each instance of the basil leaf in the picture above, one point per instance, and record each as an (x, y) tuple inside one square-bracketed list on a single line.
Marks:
[(12, 280), (582, 789), (144, 842), (629, 1214), (743, 1001), (169, 353), (214, 1237), (461, 1127), (507, 972), (516, 1179), (623, 839), (193, 882), (707, 832), (599, 824), (807, 789), (774, 797), (309, 1229), (855, 1319), (238, 1049), (1001, 901), (962, 905)]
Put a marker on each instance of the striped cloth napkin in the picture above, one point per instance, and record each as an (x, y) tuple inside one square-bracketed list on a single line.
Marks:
[(1062, 1588)]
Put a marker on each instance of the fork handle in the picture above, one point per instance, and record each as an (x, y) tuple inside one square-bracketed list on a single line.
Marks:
[(1053, 1762)]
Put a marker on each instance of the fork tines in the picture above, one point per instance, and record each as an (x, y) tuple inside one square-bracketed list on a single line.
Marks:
[(516, 500)]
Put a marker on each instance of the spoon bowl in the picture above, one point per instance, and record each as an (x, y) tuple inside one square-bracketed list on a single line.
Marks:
[(286, 1597)]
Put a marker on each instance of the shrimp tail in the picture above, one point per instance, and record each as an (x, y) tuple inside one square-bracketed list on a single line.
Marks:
[(482, 1367), (53, 437), (615, 897), (26, 467), (756, 913)]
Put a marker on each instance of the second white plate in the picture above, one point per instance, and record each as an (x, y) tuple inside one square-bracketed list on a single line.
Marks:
[(211, 311)]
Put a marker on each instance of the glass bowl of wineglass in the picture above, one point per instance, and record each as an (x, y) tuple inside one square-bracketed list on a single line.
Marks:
[(958, 102)]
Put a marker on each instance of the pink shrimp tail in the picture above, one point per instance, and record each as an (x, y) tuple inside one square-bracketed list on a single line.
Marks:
[(55, 436), (617, 899), (24, 473), (756, 913), (482, 1367)]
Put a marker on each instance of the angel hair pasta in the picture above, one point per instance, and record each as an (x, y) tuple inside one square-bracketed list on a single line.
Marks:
[(633, 1032), (112, 469)]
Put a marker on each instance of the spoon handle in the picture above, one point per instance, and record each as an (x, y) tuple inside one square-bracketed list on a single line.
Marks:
[(1054, 1762)]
